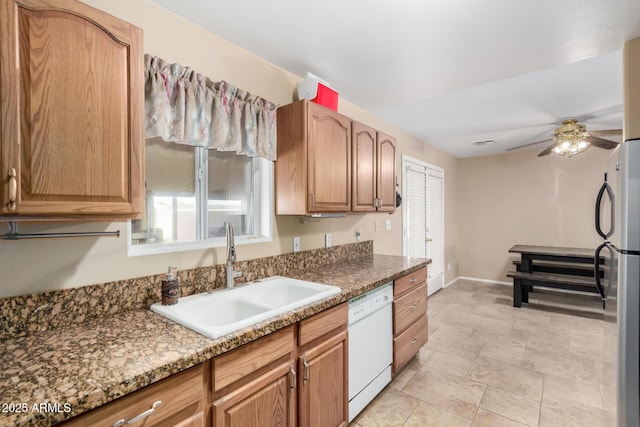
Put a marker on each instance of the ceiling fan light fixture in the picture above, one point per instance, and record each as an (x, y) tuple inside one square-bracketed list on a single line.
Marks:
[(571, 138)]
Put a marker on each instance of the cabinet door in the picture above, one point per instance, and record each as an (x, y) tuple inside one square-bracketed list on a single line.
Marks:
[(71, 85), (267, 401), (323, 384), (329, 160), (363, 139), (386, 173)]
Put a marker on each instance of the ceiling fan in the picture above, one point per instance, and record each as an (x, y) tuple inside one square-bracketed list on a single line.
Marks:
[(572, 138)]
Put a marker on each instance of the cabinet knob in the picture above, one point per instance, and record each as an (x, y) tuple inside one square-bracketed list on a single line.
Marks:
[(13, 189)]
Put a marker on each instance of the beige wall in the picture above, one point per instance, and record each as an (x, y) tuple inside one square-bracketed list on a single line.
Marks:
[(34, 266), (518, 198)]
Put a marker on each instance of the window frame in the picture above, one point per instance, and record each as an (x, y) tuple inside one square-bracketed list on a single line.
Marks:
[(262, 187)]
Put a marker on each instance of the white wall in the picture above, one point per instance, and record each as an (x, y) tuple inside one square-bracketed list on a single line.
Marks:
[(518, 198)]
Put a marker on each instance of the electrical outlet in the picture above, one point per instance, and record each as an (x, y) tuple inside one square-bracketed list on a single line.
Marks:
[(377, 225), (448, 267), (327, 240), (387, 225), (296, 244), (358, 233)]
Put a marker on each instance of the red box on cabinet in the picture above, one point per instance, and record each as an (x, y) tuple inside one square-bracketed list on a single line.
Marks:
[(326, 97)]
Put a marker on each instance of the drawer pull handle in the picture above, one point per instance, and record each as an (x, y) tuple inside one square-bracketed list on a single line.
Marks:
[(305, 378), (413, 341), (413, 307), (293, 377), (413, 280), (140, 417), (13, 189)]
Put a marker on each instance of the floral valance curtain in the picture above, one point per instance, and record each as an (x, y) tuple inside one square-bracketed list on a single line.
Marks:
[(183, 106)]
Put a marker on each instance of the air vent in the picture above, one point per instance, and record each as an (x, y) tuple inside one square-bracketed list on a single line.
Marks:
[(481, 143)]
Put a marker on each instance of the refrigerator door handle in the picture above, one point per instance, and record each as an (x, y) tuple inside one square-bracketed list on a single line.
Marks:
[(596, 271), (606, 188)]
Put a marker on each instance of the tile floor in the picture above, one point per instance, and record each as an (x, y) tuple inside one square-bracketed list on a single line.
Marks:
[(489, 364)]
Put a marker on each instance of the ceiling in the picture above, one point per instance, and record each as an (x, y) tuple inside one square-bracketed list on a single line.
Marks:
[(450, 72)]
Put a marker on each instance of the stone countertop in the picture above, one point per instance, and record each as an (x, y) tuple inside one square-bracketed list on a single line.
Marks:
[(80, 367)]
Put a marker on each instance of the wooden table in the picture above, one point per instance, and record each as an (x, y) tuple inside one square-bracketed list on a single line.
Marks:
[(553, 267)]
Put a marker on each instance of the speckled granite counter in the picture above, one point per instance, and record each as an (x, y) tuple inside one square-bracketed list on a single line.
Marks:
[(84, 366)]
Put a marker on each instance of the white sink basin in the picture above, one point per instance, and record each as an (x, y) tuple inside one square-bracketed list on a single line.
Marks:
[(220, 312)]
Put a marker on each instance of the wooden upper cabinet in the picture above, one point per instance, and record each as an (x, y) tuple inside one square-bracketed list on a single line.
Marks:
[(313, 170), (374, 170), (71, 80), (364, 168), (386, 176)]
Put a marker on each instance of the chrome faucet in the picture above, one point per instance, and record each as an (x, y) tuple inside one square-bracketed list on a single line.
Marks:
[(231, 254)]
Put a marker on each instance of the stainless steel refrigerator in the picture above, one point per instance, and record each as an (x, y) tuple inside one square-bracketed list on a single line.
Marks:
[(618, 223)]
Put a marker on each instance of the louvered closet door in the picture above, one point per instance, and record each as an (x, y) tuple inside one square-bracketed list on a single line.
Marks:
[(415, 189), (435, 230), (423, 217)]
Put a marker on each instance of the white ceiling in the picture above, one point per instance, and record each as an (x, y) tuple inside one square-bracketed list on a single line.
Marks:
[(447, 71)]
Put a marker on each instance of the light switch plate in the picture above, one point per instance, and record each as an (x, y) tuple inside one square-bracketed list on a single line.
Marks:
[(296, 244), (387, 225), (327, 240)]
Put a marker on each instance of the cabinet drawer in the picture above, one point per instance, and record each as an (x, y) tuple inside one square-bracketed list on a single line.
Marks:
[(408, 343), (180, 397), (322, 323), (409, 308), (247, 359), (409, 281)]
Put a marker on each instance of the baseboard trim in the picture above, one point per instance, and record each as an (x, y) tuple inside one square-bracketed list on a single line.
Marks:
[(476, 279)]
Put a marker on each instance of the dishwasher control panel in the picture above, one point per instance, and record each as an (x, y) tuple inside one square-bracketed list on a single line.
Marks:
[(369, 302)]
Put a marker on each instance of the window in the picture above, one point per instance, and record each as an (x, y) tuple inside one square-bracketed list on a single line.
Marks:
[(191, 192)]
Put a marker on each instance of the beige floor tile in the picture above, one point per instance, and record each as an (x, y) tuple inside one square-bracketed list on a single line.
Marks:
[(566, 390), (510, 378), (486, 418), (460, 347), (560, 362), (565, 368), (608, 394), (496, 311), (402, 378), (448, 363), (557, 414), (511, 405), (494, 326), (580, 323), (420, 358), (549, 340), (391, 408), (450, 392), (434, 416), (504, 348)]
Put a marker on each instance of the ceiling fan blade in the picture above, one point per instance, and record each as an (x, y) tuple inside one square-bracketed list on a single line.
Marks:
[(547, 150), (528, 145), (602, 143), (606, 132)]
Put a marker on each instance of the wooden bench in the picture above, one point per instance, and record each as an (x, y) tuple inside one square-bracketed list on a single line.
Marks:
[(561, 268), (553, 267), (522, 281)]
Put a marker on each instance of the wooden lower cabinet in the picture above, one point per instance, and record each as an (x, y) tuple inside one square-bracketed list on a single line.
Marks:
[(323, 395), (410, 322), (269, 400), (181, 404)]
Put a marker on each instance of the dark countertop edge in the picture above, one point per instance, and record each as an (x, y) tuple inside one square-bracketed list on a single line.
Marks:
[(218, 347)]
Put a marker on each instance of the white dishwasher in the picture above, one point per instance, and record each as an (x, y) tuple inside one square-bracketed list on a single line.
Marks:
[(370, 346)]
